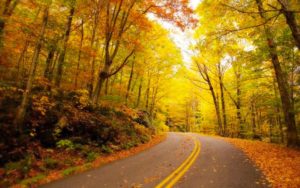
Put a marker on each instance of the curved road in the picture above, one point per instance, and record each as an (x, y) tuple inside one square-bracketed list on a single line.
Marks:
[(183, 160)]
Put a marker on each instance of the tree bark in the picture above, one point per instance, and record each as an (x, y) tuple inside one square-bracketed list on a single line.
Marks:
[(253, 118), (61, 59), (238, 103), (106, 86), (18, 122), (204, 74), (220, 75), (289, 114), (49, 62), (111, 48), (21, 59), (139, 94), (92, 61), (79, 54), (129, 81), (153, 104), (103, 75), (148, 91), (278, 113), (291, 21), (2, 25)]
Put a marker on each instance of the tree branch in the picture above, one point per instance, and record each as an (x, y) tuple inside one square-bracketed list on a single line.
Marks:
[(125, 62)]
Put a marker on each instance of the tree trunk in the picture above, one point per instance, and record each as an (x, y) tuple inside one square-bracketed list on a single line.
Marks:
[(92, 62), (135, 81), (52, 68), (238, 104), (106, 86), (103, 75), (153, 104), (92, 80), (61, 59), (280, 125), (187, 117), (129, 81), (79, 54), (139, 93), (2, 25), (18, 122), (289, 114), (278, 113), (253, 118), (49, 62), (222, 99), (292, 23), (216, 104), (21, 59), (112, 83), (148, 91)]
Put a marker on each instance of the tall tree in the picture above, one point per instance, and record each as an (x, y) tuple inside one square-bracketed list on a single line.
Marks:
[(61, 59), (290, 20), (203, 71), (23, 106), (116, 24), (289, 114)]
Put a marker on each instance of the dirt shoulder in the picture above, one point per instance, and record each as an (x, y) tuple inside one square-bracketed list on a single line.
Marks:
[(81, 165)]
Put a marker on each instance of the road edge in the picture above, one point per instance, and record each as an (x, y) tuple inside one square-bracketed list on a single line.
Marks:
[(100, 161)]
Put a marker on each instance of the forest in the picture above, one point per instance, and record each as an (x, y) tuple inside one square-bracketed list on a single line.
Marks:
[(99, 76)]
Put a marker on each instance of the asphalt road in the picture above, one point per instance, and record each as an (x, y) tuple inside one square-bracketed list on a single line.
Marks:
[(182, 160)]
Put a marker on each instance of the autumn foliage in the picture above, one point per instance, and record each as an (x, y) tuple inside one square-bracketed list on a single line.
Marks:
[(279, 164)]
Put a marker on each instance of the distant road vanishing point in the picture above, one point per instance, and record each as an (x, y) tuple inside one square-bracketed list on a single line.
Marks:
[(184, 160)]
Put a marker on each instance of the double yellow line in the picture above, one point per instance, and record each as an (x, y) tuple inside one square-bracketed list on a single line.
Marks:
[(175, 176)]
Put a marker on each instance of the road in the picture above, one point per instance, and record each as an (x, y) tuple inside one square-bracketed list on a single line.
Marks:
[(183, 160)]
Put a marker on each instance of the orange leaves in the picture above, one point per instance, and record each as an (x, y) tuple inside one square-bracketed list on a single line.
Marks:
[(279, 164), (175, 11)]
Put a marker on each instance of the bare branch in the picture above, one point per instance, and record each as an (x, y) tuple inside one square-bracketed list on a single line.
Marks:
[(125, 62)]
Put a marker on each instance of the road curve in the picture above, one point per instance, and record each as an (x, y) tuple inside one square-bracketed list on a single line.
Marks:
[(184, 160)]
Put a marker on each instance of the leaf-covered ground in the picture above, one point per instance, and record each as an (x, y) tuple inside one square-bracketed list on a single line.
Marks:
[(281, 165)]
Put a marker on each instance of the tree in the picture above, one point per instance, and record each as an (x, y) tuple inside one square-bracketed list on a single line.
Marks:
[(62, 54), (292, 137), (22, 108)]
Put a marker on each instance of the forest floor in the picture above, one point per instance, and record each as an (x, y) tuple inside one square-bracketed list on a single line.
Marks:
[(278, 163)]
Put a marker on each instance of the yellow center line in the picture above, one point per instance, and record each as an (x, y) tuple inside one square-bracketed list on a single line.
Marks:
[(175, 176)]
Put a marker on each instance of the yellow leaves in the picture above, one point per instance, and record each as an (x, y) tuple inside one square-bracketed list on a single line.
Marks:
[(141, 130), (41, 104), (83, 98), (279, 164), (128, 111)]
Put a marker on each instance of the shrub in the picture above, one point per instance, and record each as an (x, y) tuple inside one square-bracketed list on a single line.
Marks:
[(69, 171), (145, 138), (141, 130), (65, 144), (106, 149), (33, 180), (22, 165), (105, 111), (51, 163), (129, 144), (80, 98), (91, 156)]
